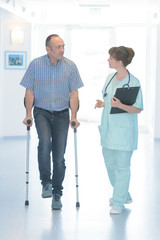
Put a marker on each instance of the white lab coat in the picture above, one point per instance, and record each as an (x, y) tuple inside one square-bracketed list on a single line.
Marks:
[(119, 131)]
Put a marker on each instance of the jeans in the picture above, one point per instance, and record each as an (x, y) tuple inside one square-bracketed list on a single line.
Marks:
[(118, 167), (52, 130)]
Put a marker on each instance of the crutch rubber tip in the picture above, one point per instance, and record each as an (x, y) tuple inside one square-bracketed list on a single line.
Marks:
[(26, 203), (77, 204)]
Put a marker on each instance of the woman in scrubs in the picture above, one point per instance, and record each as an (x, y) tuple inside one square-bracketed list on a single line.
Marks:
[(119, 132)]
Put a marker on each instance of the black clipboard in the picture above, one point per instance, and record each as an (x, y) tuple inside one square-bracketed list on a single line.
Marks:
[(126, 96)]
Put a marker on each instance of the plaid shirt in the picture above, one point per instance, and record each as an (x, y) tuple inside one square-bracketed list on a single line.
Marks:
[(52, 84)]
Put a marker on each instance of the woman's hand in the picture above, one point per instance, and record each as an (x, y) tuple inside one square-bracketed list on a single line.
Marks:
[(99, 104), (115, 102)]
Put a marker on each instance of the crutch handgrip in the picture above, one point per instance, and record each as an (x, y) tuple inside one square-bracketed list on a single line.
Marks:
[(74, 124), (28, 122)]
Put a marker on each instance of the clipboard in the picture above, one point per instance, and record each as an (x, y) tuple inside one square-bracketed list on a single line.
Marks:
[(126, 96)]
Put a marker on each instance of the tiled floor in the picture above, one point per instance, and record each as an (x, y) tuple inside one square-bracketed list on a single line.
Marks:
[(140, 220)]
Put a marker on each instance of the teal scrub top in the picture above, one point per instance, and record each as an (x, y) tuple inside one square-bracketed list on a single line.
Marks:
[(119, 131)]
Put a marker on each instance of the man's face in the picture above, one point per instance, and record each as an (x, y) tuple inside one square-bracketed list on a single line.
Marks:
[(55, 49)]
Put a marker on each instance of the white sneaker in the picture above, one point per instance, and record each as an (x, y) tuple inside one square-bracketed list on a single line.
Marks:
[(127, 202), (115, 210)]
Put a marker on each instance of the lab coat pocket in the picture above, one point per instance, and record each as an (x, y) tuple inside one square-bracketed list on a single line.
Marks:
[(120, 136)]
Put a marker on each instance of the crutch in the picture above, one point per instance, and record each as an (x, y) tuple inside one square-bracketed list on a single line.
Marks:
[(76, 164), (27, 162)]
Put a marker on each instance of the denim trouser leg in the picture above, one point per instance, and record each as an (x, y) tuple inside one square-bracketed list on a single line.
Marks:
[(118, 167), (52, 130), (59, 141)]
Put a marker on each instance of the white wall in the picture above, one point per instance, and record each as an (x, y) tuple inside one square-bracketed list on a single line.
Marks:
[(152, 85), (157, 89), (12, 110), (1, 82)]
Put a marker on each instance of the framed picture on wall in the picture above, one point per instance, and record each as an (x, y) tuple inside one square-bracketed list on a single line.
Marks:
[(15, 60)]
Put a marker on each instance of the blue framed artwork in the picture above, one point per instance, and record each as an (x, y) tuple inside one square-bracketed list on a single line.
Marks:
[(15, 60)]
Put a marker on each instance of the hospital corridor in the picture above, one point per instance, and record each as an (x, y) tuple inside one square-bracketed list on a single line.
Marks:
[(139, 221), (69, 55)]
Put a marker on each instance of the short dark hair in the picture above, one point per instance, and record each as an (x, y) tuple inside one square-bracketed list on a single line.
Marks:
[(122, 53), (49, 38)]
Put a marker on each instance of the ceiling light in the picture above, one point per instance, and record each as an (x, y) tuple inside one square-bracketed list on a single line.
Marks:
[(94, 3)]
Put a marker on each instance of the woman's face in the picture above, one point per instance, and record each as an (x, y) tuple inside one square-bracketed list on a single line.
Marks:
[(113, 63)]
